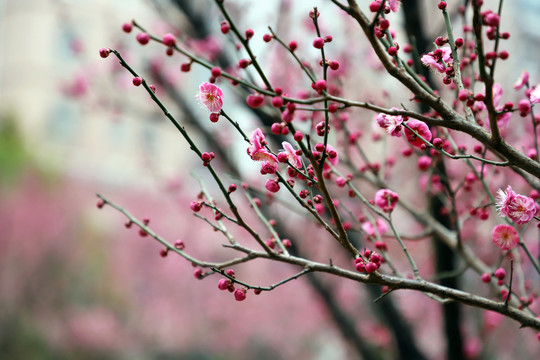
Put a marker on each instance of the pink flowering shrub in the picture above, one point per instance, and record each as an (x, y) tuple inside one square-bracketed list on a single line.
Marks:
[(370, 199)]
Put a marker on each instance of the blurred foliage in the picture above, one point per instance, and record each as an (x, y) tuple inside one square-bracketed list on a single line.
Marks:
[(13, 155)]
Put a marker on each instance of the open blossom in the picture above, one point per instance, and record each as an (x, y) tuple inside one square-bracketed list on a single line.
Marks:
[(497, 90), (386, 199), (391, 123), (368, 227), (534, 94), (394, 5), (518, 208), (421, 129), (505, 236), (211, 97), (332, 158), (291, 155), (258, 152), (522, 81), (438, 58)]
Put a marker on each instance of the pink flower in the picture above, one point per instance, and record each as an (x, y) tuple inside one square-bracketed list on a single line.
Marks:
[(257, 141), (386, 199), (502, 119), (522, 81), (505, 237), (518, 208), (211, 97), (421, 128), (497, 93), (503, 200), (438, 58), (258, 152), (291, 155), (392, 124), (534, 94), (522, 209), (332, 157), (394, 5), (367, 226)]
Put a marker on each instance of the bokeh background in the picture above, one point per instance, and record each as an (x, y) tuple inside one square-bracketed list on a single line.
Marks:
[(74, 283)]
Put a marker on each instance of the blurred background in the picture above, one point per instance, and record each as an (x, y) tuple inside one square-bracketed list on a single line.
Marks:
[(74, 283)]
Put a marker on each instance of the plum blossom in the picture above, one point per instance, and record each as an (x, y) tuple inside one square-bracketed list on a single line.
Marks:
[(291, 155), (522, 81), (503, 200), (438, 58), (386, 199), (421, 129), (368, 227), (394, 5), (502, 119), (332, 157), (497, 93), (392, 124), (518, 208), (258, 152), (534, 94), (211, 97), (505, 236)]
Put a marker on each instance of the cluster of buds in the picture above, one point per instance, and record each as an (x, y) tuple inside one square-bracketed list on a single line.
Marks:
[(228, 284), (318, 43), (370, 262), (207, 157), (271, 242)]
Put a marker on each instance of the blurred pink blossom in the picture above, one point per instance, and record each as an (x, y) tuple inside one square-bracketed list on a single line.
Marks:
[(534, 95), (522, 81), (368, 227), (386, 199), (505, 237)]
